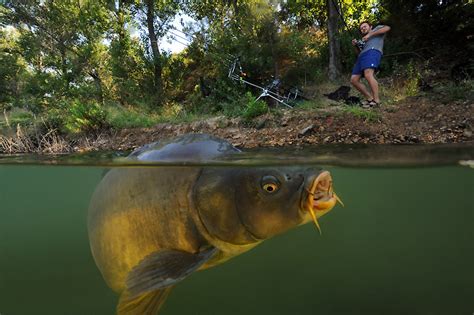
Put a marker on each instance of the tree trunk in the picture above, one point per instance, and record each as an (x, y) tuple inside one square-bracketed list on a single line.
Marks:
[(121, 69), (273, 44), (98, 83), (334, 45), (64, 73), (150, 17)]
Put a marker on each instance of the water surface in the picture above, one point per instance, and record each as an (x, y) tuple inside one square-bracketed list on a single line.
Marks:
[(402, 245)]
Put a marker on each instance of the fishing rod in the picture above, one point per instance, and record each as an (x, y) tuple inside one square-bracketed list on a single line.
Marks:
[(266, 91), (359, 42)]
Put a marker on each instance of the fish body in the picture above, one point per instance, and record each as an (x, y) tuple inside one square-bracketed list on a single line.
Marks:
[(151, 227)]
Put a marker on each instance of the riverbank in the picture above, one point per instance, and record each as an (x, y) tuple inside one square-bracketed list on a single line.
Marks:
[(418, 119)]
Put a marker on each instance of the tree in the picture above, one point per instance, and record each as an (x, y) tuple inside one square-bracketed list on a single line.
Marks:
[(60, 41), (334, 69), (12, 68), (445, 25), (123, 62), (159, 15)]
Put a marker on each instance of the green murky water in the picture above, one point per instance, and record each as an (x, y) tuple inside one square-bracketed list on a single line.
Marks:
[(404, 243)]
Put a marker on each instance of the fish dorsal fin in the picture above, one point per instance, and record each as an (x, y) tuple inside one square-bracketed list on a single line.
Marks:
[(148, 303), (164, 268)]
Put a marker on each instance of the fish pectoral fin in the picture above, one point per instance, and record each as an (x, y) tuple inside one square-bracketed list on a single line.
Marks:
[(146, 303), (165, 268)]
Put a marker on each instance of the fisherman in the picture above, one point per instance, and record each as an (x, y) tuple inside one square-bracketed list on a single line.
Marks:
[(369, 51)]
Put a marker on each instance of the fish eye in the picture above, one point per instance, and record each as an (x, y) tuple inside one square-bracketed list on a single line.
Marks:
[(270, 184)]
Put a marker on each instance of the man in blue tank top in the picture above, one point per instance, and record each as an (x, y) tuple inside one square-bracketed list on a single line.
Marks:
[(370, 53)]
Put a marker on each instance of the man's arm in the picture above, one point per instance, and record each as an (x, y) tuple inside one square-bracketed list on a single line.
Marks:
[(384, 29), (356, 48)]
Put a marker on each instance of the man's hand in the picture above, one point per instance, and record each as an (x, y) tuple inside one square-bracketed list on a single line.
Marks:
[(354, 42), (380, 31), (366, 37)]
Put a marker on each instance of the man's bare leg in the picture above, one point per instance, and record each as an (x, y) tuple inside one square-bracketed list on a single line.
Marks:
[(373, 84), (355, 81)]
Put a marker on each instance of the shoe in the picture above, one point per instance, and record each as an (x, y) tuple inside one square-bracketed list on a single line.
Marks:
[(371, 104), (374, 104), (366, 103)]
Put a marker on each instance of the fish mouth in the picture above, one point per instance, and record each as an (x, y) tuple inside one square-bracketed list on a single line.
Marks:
[(321, 197)]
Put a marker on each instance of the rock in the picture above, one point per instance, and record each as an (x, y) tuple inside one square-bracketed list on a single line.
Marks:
[(234, 122), (217, 122), (197, 125), (467, 133), (233, 131), (261, 124), (306, 131)]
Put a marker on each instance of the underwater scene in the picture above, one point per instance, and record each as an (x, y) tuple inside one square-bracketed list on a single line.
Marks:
[(398, 239)]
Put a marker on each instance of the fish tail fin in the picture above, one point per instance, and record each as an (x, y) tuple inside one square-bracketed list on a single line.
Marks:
[(148, 303)]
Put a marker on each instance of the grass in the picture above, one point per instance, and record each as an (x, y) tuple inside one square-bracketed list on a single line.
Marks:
[(312, 104), (120, 118), (451, 91), (16, 116), (367, 115)]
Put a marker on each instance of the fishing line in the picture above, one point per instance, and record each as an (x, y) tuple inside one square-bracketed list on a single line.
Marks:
[(338, 5), (178, 41), (239, 77), (265, 90), (180, 36), (340, 13)]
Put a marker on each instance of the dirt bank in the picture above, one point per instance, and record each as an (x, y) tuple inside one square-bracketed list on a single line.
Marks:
[(414, 120)]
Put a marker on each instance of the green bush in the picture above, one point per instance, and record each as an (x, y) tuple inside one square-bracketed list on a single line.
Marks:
[(52, 120), (119, 118), (84, 117), (254, 107), (412, 86), (224, 97), (232, 108), (21, 117)]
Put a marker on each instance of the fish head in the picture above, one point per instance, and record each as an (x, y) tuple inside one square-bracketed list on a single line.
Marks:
[(245, 205)]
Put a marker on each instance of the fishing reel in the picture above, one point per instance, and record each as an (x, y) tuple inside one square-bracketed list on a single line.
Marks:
[(360, 44)]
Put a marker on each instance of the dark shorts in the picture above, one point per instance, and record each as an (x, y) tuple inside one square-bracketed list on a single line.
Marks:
[(369, 59)]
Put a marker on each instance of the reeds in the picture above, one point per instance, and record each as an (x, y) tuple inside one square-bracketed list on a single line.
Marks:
[(21, 142)]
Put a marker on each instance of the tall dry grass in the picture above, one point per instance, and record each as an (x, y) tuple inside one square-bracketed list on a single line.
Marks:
[(21, 142)]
